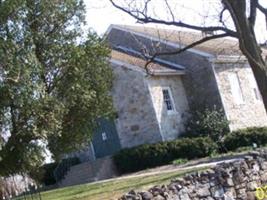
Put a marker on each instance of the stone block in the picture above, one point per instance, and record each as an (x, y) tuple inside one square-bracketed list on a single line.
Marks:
[(217, 191), (251, 186), (241, 193), (251, 196), (158, 197), (184, 196), (263, 177), (230, 192), (202, 190), (263, 165), (146, 195)]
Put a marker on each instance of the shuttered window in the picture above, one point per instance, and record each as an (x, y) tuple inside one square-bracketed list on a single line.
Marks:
[(254, 86), (235, 88)]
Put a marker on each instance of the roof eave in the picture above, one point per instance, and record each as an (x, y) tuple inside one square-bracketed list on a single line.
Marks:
[(228, 59), (167, 73)]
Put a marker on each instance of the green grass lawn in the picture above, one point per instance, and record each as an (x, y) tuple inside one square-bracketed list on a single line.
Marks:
[(110, 190)]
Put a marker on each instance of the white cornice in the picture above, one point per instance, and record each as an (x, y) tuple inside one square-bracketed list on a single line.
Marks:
[(229, 59)]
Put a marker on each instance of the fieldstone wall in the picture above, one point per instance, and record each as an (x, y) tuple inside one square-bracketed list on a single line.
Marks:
[(136, 123), (251, 112), (199, 79), (237, 180)]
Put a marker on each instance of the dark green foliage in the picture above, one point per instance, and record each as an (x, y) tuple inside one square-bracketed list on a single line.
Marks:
[(48, 177), (64, 166), (179, 161), (44, 175), (48, 174), (151, 155), (245, 137), (54, 81), (208, 122)]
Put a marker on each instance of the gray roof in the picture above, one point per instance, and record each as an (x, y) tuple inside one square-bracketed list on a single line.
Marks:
[(222, 46), (153, 67)]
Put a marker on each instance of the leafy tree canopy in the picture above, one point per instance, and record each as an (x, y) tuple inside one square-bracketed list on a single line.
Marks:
[(54, 81)]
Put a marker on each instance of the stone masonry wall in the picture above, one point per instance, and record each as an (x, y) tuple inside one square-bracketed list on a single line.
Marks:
[(199, 80), (237, 180), (251, 112), (171, 124), (137, 123)]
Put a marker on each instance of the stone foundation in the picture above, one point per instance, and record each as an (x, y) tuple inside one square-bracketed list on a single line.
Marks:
[(227, 181)]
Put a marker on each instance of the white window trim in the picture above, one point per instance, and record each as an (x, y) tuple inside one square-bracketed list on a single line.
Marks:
[(174, 111)]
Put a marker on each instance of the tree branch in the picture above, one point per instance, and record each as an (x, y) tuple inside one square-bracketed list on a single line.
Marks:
[(147, 19), (253, 12), (203, 40), (170, 10), (13, 117), (247, 41), (263, 10), (221, 16)]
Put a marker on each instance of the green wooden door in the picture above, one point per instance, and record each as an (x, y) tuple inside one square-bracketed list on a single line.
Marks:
[(106, 141)]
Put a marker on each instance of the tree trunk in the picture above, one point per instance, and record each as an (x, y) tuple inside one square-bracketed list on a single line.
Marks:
[(248, 44)]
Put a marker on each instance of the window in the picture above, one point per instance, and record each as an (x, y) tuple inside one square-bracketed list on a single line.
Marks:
[(257, 93), (254, 87), (168, 100), (235, 88), (104, 136)]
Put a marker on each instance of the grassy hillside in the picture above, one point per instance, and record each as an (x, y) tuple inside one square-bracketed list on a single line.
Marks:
[(110, 190)]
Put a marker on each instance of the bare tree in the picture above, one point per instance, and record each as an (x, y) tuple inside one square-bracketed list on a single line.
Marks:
[(241, 13)]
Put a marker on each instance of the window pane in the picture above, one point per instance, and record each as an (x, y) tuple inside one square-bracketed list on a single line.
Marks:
[(257, 93), (104, 136), (235, 88), (254, 86), (167, 99)]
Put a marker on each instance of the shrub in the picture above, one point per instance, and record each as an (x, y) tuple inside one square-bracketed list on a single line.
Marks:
[(245, 137), (48, 178), (179, 161), (208, 122), (152, 155), (44, 175), (64, 166)]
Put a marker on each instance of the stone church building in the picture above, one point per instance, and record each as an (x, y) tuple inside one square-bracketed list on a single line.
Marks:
[(153, 106)]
